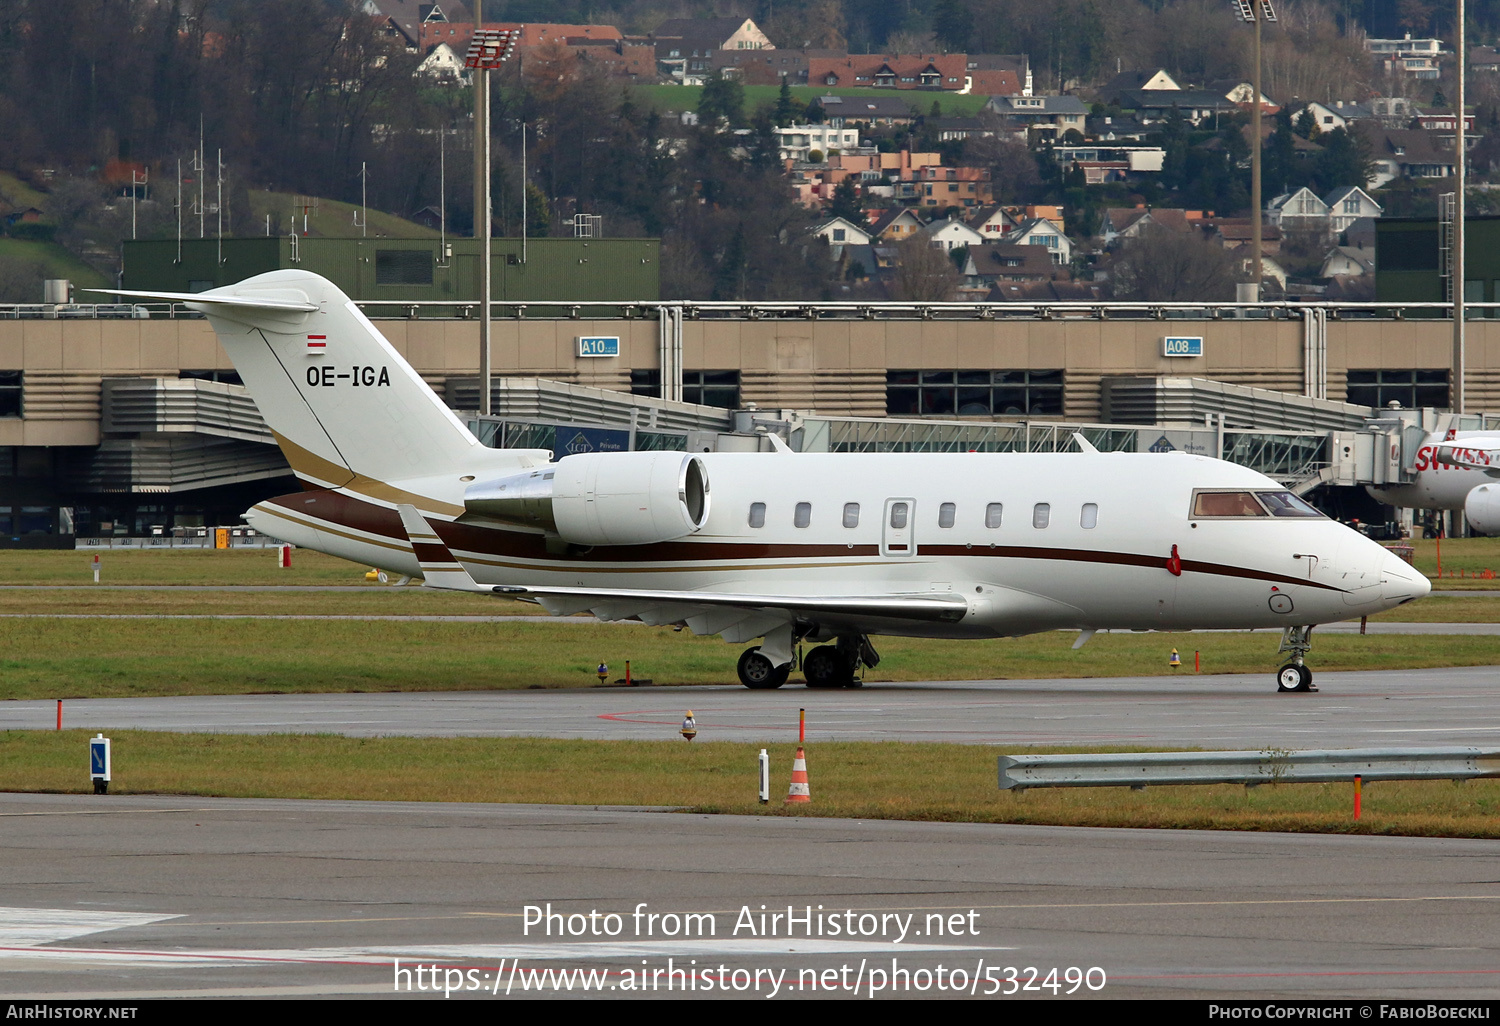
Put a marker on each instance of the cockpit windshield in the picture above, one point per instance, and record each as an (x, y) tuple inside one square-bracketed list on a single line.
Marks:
[(1285, 504), (1227, 503)]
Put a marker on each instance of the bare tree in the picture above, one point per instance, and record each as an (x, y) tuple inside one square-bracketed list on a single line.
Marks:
[(1170, 266), (924, 272)]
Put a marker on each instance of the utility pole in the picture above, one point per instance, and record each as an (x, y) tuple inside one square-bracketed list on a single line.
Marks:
[(1459, 158), (1255, 12), (488, 50)]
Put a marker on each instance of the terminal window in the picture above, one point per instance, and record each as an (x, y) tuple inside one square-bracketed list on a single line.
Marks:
[(971, 393), (1413, 389), (704, 387), (10, 393)]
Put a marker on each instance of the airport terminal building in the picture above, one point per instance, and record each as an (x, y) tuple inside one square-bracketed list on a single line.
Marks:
[(127, 420)]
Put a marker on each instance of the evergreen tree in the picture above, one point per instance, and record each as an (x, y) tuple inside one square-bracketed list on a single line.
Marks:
[(786, 106), (846, 203)]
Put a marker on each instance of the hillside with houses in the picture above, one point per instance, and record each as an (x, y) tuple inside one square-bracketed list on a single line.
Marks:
[(982, 150)]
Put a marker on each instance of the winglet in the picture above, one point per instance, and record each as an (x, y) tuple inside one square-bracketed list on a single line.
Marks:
[(439, 567), (1084, 445)]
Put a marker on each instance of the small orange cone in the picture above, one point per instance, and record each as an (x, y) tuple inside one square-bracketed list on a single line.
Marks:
[(798, 792)]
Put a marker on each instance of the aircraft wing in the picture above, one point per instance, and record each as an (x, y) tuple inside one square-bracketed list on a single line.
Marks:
[(738, 617), (713, 612)]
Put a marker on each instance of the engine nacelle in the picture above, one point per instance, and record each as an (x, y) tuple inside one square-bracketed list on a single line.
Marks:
[(603, 498), (1482, 508)]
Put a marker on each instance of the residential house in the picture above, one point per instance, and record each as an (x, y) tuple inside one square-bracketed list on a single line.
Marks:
[(442, 65), (1418, 58), (838, 232), (796, 142), (765, 67), (1235, 232), (1443, 121), (1347, 262), (992, 222), (1347, 205), (686, 47), (1109, 128), (951, 233), (986, 70), (618, 58), (1405, 153), (1039, 231), (1134, 81), (897, 225), (1302, 210), (888, 111), (938, 186), (948, 72), (1241, 93), (948, 129), (1122, 223), (1484, 60), (1196, 105), (1003, 262), (1055, 113), (412, 22), (1045, 292)]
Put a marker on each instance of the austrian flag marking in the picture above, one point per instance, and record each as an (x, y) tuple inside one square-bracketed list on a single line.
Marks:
[(317, 345)]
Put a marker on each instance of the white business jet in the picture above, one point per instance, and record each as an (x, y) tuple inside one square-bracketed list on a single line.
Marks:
[(1454, 470), (785, 547)]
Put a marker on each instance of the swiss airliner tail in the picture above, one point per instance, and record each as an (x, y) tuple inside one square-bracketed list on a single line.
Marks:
[(341, 401)]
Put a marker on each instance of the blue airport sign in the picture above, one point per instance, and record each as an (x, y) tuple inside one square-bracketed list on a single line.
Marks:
[(598, 345), (1182, 345)]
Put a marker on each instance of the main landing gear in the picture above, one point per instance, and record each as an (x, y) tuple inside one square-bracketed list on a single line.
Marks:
[(1295, 676), (827, 666)]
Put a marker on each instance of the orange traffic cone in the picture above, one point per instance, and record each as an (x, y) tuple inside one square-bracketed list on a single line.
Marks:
[(798, 791)]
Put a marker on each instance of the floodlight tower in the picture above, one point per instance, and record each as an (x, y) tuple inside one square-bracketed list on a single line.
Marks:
[(1255, 12), (489, 49)]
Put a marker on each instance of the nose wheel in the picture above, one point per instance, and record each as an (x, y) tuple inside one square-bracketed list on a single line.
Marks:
[(1295, 676)]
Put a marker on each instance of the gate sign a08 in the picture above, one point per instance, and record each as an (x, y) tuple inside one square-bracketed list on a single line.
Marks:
[(1182, 345)]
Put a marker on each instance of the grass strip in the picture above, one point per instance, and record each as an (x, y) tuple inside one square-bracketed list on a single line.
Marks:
[(60, 658), (858, 779)]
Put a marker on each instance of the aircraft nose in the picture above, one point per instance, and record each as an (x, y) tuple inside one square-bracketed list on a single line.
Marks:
[(1400, 581)]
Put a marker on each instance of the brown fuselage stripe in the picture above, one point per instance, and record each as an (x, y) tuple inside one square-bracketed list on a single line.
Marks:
[(361, 515)]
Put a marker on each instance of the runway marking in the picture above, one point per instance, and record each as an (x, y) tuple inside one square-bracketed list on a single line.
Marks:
[(25, 926)]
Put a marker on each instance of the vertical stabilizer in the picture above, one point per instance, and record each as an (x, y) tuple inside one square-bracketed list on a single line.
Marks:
[(340, 400)]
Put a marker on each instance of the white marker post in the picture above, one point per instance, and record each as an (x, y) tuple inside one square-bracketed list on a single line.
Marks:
[(99, 763), (765, 777), (96, 569)]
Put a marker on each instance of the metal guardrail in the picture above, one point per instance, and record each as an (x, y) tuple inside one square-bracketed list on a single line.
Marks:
[(1269, 766), (802, 310)]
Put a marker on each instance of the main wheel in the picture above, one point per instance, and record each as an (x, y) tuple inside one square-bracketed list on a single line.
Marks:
[(1307, 684), (1292, 677), (824, 668), (756, 671)]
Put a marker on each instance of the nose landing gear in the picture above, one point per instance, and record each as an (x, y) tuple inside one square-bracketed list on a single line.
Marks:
[(1295, 676)]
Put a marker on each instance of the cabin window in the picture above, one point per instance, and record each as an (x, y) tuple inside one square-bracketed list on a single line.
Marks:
[(992, 515), (1041, 515), (898, 515), (1285, 504), (1226, 504), (757, 514), (851, 514), (1090, 517), (945, 514), (802, 516)]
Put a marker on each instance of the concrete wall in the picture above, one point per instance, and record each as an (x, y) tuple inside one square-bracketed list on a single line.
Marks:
[(835, 367)]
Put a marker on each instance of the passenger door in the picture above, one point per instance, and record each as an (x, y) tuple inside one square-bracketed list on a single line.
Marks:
[(897, 536)]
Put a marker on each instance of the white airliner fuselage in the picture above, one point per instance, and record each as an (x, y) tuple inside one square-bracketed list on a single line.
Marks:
[(780, 546), (1455, 470)]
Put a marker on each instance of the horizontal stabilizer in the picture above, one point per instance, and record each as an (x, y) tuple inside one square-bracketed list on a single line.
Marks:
[(256, 302), (1483, 456), (439, 568)]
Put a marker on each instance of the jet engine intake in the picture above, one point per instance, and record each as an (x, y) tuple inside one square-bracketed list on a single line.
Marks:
[(1482, 508), (603, 498)]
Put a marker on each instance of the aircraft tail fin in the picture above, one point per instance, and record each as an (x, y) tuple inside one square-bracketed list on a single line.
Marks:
[(339, 398), (439, 568)]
